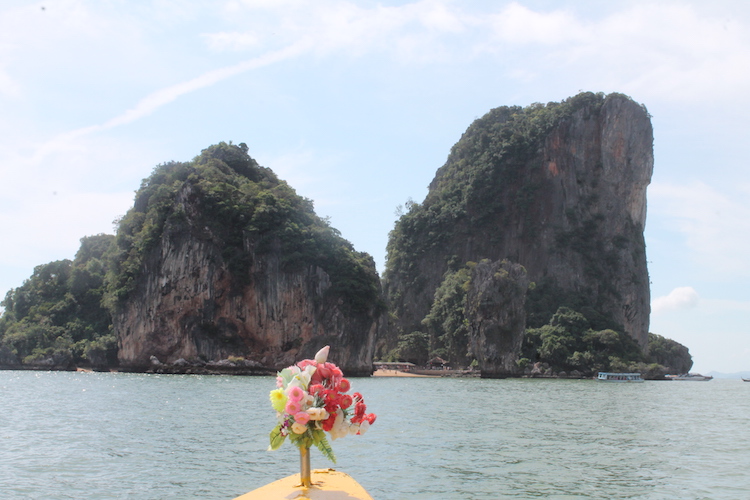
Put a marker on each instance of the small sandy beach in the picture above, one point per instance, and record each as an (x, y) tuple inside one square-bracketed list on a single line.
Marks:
[(397, 373)]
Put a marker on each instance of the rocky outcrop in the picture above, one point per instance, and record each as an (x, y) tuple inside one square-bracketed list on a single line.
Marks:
[(8, 360), (557, 188), (186, 308), (215, 295), (496, 316)]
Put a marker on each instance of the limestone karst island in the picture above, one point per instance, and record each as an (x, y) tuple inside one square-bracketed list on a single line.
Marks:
[(526, 258)]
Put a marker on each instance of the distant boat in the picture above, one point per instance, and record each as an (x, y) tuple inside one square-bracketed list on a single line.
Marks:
[(619, 377), (745, 379), (693, 377)]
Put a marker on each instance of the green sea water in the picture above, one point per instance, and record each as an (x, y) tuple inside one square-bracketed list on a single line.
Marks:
[(66, 435)]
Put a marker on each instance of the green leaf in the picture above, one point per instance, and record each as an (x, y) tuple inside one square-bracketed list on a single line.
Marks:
[(277, 439), (322, 443)]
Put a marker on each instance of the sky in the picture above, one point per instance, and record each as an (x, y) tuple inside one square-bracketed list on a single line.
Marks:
[(356, 104)]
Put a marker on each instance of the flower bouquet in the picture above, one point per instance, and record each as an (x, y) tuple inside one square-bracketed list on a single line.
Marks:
[(311, 399)]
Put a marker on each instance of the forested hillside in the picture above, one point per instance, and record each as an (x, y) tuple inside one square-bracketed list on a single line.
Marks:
[(56, 318), (269, 278)]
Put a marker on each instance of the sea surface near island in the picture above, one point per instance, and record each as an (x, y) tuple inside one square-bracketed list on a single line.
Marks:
[(74, 435)]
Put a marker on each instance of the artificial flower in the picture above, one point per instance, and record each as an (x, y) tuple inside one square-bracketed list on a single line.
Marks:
[(340, 428), (344, 385), (317, 413), (295, 393), (363, 427), (311, 400), (302, 417), (322, 355), (278, 399), (346, 401), (292, 407)]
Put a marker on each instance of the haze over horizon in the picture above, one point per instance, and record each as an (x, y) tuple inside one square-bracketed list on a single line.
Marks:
[(357, 104)]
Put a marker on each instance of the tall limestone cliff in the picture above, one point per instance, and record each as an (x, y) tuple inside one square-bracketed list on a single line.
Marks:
[(559, 189), (220, 261)]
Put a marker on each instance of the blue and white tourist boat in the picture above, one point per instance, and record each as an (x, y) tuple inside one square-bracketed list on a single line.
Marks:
[(619, 377)]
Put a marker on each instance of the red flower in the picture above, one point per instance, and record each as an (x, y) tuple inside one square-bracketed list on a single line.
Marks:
[(323, 371), (370, 417), (344, 385), (346, 401), (359, 409), (328, 423), (336, 372)]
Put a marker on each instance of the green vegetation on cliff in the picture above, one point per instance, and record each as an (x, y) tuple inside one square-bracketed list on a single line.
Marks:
[(56, 318), (491, 153), (248, 211), (572, 340)]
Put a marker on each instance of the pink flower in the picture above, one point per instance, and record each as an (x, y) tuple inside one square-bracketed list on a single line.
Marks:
[(306, 362), (295, 393), (302, 417), (292, 407)]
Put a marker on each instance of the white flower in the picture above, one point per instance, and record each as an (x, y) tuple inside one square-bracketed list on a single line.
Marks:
[(340, 427), (363, 427), (317, 413), (302, 377), (322, 355)]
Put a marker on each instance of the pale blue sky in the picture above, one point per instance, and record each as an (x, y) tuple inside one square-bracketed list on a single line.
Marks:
[(356, 105)]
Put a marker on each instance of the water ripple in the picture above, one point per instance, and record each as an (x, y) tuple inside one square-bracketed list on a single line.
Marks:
[(129, 436)]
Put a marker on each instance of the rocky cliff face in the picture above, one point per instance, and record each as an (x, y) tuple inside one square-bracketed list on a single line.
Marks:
[(559, 189), (186, 308), (192, 304), (496, 316)]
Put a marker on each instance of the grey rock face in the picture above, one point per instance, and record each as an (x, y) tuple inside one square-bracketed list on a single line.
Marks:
[(495, 312), (187, 307), (570, 208)]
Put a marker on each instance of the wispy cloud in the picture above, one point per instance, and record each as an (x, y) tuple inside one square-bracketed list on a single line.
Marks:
[(666, 50), (715, 224), (162, 97)]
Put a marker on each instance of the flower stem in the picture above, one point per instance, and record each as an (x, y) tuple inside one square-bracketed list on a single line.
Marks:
[(304, 466)]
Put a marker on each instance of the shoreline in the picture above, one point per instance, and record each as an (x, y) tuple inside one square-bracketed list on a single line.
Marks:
[(398, 373), (426, 373)]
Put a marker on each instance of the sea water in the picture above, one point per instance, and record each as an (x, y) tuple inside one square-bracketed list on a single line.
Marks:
[(68, 435)]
